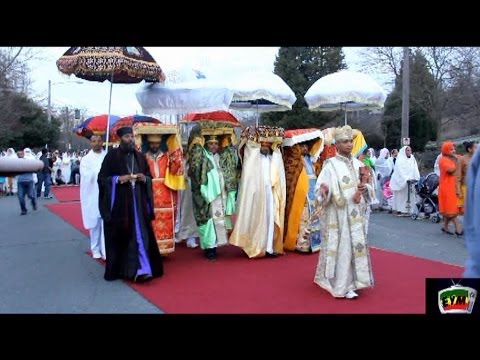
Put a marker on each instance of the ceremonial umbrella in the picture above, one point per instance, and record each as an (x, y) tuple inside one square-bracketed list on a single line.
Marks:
[(345, 90), (124, 65), (190, 90), (214, 118), (130, 121), (96, 125), (220, 116), (261, 91), (185, 91)]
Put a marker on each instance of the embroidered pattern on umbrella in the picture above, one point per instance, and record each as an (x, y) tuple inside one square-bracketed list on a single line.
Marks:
[(128, 64), (124, 65)]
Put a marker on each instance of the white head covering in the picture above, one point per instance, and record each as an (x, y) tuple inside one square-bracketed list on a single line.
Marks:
[(405, 169), (11, 153), (383, 166), (28, 154)]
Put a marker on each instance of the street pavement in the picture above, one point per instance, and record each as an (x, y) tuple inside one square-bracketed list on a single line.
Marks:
[(44, 268)]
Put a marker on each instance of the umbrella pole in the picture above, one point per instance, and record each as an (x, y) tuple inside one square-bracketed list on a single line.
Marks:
[(345, 114), (109, 108), (257, 117)]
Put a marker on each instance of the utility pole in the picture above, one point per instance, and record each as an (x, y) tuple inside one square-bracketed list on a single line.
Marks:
[(66, 125), (49, 111), (405, 95)]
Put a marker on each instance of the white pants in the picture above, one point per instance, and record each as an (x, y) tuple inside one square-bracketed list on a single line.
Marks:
[(97, 240)]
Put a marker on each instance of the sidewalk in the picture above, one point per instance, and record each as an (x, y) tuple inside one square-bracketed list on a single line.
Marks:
[(44, 268)]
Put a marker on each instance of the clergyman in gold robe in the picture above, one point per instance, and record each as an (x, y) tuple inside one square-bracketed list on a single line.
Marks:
[(344, 261)]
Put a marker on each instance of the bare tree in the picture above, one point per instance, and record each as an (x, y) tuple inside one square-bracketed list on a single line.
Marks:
[(14, 67), (455, 71), (384, 60)]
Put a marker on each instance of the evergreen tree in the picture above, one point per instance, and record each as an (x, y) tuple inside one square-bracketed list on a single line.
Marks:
[(422, 124), (300, 67), (24, 123)]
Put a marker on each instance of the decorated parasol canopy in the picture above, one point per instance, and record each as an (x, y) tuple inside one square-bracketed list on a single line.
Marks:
[(297, 136), (130, 121), (220, 116), (345, 90), (95, 125), (189, 90), (185, 91), (261, 91), (124, 65)]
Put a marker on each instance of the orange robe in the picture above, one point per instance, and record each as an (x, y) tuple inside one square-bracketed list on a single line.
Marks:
[(164, 198), (447, 197)]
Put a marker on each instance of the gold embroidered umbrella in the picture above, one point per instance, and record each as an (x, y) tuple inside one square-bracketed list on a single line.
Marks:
[(123, 65)]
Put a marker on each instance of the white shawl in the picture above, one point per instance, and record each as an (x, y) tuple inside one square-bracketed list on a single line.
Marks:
[(405, 169)]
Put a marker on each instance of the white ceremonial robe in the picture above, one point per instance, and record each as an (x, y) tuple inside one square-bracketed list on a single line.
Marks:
[(89, 169), (344, 260)]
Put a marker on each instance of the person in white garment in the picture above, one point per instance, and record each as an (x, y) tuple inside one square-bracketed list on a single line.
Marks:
[(344, 261), (66, 165), (261, 202), (89, 169), (11, 182), (383, 171), (405, 170), (28, 154)]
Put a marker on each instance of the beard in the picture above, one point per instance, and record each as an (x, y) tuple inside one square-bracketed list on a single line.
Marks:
[(128, 147)]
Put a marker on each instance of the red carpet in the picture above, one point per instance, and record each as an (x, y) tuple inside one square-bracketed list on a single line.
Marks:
[(70, 212), (236, 284), (66, 193)]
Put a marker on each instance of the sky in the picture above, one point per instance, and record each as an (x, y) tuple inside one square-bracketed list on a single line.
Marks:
[(94, 96)]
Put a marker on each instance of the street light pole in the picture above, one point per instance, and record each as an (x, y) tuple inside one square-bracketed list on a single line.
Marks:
[(49, 109), (49, 101)]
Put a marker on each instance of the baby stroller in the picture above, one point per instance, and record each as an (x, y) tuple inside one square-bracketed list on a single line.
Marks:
[(428, 203), (387, 201)]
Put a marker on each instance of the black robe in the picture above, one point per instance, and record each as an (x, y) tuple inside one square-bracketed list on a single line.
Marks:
[(119, 223)]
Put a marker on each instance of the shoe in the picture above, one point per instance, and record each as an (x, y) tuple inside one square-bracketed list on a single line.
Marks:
[(211, 254), (96, 255), (24, 212), (48, 197), (446, 231), (192, 244), (142, 278), (351, 295), (271, 255), (34, 206), (459, 233)]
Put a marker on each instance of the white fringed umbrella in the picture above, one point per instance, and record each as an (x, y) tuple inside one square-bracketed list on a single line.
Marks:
[(260, 91), (188, 90), (345, 90)]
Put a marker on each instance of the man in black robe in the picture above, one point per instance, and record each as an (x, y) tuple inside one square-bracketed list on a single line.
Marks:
[(126, 207)]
